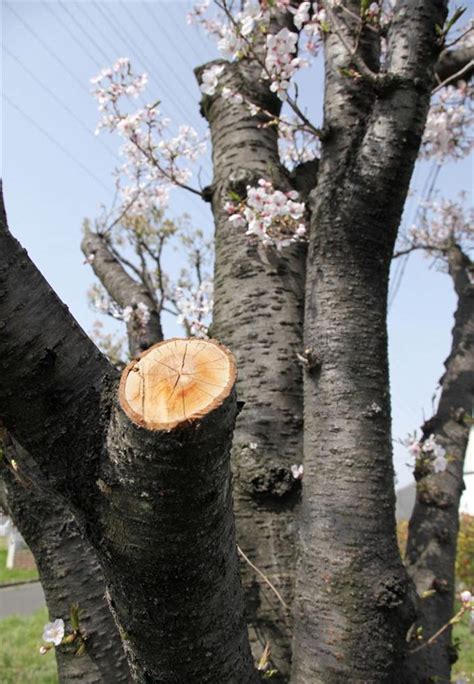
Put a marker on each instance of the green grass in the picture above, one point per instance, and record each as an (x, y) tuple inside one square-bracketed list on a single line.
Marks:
[(20, 661), (15, 575), (464, 667)]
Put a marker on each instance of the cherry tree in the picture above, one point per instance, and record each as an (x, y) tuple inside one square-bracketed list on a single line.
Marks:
[(306, 217)]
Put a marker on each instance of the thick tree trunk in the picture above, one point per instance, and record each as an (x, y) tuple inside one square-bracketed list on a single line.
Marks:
[(258, 312), (353, 603), (156, 504), (166, 540), (69, 574), (433, 530)]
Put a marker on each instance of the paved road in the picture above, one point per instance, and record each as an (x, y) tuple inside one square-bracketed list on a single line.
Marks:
[(23, 599)]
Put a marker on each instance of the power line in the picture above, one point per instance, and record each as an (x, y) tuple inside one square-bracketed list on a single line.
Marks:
[(161, 57), (82, 29), (169, 92), (185, 36), (58, 100), (56, 142), (116, 52), (68, 30), (161, 27), (109, 19), (45, 46)]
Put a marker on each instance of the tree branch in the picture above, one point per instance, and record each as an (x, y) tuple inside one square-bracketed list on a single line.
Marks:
[(124, 290), (454, 64), (52, 374)]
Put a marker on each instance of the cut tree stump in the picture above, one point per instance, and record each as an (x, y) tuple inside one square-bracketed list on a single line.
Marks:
[(176, 382), (168, 549)]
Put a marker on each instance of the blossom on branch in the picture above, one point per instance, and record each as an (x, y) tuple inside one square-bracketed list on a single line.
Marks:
[(154, 161), (53, 632), (271, 216)]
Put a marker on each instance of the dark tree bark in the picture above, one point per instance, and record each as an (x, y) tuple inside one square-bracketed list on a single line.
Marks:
[(258, 308), (69, 574), (124, 290), (456, 65), (353, 602), (52, 375), (433, 529), (134, 489)]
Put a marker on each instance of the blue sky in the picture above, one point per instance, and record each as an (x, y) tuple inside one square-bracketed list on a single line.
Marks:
[(56, 171)]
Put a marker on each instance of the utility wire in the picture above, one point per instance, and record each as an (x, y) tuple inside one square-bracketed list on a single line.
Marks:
[(70, 33), (111, 20), (59, 101), (185, 36), (103, 35), (162, 28), (161, 57), (45, 46), (56, 142), (161, 87), (86, 33)]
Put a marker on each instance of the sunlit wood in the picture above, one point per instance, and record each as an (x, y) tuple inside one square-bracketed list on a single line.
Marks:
[(176, 381)]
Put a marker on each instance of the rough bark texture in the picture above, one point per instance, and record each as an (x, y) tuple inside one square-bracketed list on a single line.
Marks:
[(167, 546), (69, 574), (433, 530), (353, 603), (258, 311), (52, 374), (156, 507), (124, 290), (453, 61)]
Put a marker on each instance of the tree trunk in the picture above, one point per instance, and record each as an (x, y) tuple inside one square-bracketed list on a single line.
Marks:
[(69, 574), (353, 603), (258, 309), (155, 504), (166, 539), (433, 530)]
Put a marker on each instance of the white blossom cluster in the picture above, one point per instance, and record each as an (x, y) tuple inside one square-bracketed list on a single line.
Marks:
[(241, 37), (280, 61), (138, 314), (153, 163), (195, 307), (448, 131), (296, 144), (271, 216), (445, 223), (429, 449)]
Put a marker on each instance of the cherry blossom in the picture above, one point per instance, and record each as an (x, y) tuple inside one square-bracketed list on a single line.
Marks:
[(297, 471), (53, 632), (448, 131), (443, 223), (138, 314), (466, 598), (154, 161), (429, 451), (271, 216), (210, 79), (195, 307)]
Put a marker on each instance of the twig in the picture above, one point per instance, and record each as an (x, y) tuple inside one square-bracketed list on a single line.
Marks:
[(442, 629), (454, 77), (264, 577), (362, 67)]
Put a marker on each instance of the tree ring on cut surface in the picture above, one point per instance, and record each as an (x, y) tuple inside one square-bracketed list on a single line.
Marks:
[(176, 382)]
